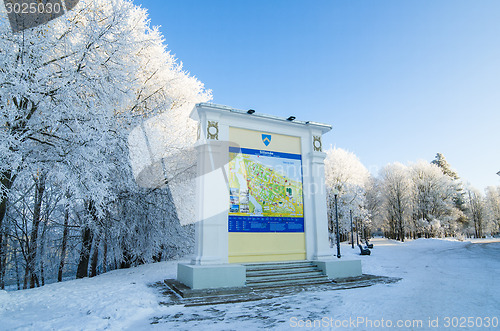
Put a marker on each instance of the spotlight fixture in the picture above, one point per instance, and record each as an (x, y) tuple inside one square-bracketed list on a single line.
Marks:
[(250, 111), (291, 118)]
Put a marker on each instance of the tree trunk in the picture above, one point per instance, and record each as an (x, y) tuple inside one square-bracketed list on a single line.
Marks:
[(6, 180), (2, 264), (64, 244), (16, 263), (126, 258), (126, 263), (32, 251), (3, 257), (159, 255), (88, 235), (95, 257), (105, 252), (401, 229), (26, 276), (83, 264), (42, 253), (105, 242)]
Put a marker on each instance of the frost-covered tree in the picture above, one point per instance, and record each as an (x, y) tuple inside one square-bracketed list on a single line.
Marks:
[(434, 210), (345, 173), (61, 85), (446, 168), (397, 192), (476, 212), (493, 208), (375, 203), (420, 200), (441, 162), (70, 91)]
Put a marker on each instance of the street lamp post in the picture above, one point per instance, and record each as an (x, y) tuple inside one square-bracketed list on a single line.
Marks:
[(357, 233), (352, 231), (335, 194)]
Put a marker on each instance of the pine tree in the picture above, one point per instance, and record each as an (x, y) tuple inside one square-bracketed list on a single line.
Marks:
[(445, 167), (441, 162)]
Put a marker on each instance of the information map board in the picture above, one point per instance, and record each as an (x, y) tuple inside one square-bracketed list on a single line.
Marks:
[(265, 191), (265, 185), (266, 201)]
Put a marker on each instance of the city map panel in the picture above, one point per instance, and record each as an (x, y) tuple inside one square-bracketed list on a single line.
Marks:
[(265, 191)]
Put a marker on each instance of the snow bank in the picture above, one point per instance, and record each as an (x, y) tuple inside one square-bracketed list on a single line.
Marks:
[(440, 279), (109, 301)]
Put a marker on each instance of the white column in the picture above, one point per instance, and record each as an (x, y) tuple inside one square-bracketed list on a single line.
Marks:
[(318, 200), (211, 245)]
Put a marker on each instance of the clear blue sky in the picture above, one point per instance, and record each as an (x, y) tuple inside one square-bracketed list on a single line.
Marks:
[(398, 80)]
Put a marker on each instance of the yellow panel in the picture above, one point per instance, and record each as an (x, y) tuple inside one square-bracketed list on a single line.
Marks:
[(266, 247), (253, 139)]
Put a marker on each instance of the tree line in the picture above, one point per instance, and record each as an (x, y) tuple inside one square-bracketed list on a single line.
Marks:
[(419, 200), (70, 93)]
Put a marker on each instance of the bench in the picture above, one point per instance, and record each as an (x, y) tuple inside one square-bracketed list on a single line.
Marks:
[(369, 245), (364, 250)]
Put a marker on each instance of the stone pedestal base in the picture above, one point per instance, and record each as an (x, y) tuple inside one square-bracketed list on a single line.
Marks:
[(336, 269), (211, 276)]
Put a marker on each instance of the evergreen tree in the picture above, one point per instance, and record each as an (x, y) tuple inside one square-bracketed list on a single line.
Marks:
[(441, 162), (445, 167)]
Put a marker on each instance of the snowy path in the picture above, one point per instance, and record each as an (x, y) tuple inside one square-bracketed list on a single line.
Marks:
[(441, 279)]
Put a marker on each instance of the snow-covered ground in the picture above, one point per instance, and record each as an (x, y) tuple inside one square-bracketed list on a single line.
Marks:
[(444, 282)]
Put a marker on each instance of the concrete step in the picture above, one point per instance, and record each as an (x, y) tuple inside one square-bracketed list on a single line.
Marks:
[(260, 272), (189, 297), (284, 274), (277, 263), (260, 280), (289, 275), (291, 282), (278, 266)]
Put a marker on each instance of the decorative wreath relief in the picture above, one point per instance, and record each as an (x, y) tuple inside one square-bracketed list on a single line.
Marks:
[(213, 130), (317, 143), (26, 14)]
